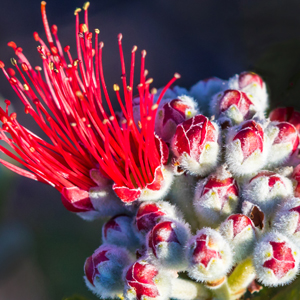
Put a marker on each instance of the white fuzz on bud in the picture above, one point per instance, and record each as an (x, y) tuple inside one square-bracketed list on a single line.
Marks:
[(167, 241), (287, 219), (284, 141), (246, 148), (104, 269), (239, 231), (120, 231), (204, 90), (209, 255), (216, 197), (276, 259), (267, 189)]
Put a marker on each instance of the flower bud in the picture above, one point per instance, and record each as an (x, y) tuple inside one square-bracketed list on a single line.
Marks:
[(287, 114), (284, 142), (267, 189), (253, 85), (246, 149), (172, 113), (149, 214), (296, 178), (145, 281), (195, 145), (104, 269), (119, 231), (276, 260), (239, 231), (209, 255), (167, 242), (216, 197), (204, 90), (232, 107), (287, 219)]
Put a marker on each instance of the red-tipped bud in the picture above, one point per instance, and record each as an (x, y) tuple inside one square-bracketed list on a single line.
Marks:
[(288, 114), (246, 149), (209, 254), (173, 113), (267, 189), (253, 85), (276, 260), (195, 144), (232, 107), (284, 142), (119, 231), (103, 270), (216, 197), (146, 281), (150, 213), (239, 231), (167, 242)]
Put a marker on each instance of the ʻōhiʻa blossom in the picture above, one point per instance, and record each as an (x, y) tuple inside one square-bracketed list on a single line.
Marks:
[(67, 103)]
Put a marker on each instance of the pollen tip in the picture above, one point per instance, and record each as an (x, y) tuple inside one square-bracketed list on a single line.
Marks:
[(116, 88), (54, 29), (86, 5), (154, 106), (134, 48), (124, 121), (120, 36), (97, 31), (149, 81), (111, 118), (105, 121), (43, 3), (83, 28), (36, 36), (2, 65), (13, 61), (67, 48), (12, 45), (77, 10), (101, 45), (177, 75), (144, 53), (154, 91)]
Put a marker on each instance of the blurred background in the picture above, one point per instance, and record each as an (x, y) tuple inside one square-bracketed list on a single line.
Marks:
[(42, 246)]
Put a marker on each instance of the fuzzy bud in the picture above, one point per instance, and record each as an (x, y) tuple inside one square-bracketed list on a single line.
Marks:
[(195, 145), (103, 271), (286, 114), (267, 189), (145, 281), (232, 107), (149, 214), (276, 260), (253, 85), (172, 113), (209, 255), (287, 219), (119, 231), (239, 231), (167, 242), (246, 149), (216, 197), (285, 141), (204, 90)]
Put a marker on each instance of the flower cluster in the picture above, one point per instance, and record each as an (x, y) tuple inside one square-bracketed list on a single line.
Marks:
[(214, 195)]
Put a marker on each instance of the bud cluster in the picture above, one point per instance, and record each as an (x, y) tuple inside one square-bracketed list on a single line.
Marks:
[(246, 178)]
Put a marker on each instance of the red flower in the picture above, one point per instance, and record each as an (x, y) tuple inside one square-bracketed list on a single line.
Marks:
[(68, 106)]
